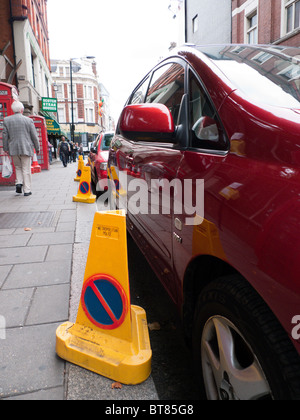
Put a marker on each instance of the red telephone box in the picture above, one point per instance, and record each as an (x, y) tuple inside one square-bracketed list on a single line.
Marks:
[(41, 128), (8, 94)]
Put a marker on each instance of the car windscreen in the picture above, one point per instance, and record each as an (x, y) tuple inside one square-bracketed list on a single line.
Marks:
[(105, 145), (266, 74)]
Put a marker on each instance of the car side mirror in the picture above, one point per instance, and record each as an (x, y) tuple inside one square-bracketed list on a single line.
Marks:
[(148, 122), (206, 128)]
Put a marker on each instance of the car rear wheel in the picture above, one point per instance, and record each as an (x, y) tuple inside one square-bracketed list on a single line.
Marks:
[(240, 350)]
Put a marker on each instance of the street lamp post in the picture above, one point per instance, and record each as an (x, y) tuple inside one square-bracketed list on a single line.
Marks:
[(72, 102)]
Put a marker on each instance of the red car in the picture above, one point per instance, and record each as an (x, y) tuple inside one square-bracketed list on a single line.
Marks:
[(230, 116), (98, 160)]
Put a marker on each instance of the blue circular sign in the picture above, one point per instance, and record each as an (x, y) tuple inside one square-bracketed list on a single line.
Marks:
[(104, 302), (84, 188)]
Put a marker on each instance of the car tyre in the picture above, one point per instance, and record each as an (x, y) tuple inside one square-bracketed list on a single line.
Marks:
[(240, 350)]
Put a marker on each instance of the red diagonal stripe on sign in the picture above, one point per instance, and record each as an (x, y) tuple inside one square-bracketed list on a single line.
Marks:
[(104, 303)]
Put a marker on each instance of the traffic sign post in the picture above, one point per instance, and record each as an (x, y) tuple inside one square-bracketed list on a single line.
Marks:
[(110, 336)]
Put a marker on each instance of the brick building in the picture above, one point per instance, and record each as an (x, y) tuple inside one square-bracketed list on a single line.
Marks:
[(86, 97), (24, 50), (266, 22), (243, 21)]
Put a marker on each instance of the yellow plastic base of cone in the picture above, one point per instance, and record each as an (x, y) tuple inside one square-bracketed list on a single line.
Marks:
[(80, 199), (127, 362)]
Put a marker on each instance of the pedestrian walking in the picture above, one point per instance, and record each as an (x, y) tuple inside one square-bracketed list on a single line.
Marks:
[(75, 152), (81, 153), (64, 151), (70, 159), (20, 138), (50, 152)]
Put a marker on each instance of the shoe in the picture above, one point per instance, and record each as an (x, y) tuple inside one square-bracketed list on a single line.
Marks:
[(19, 188), (27, 194)]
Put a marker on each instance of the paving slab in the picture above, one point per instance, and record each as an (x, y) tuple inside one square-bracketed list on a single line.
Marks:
[(4, 271), (39, 274), (52, 238), (13, 241), (28, 361), (14, 306), (49, 304), (60, 252), (22, 255)]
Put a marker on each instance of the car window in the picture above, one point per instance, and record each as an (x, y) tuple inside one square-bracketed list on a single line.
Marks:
[(167, 87), (139, 95), (205, 128), (105, 145)]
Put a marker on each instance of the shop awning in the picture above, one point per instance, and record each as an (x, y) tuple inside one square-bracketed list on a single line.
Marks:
[(53, 127)]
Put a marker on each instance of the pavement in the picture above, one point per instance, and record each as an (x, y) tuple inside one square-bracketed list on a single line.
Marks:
[(44, 241)]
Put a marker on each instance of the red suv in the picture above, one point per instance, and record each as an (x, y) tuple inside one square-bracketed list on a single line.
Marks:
[(229, 117)]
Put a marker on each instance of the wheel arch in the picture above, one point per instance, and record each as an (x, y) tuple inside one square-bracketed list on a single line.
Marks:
[(201, 271)]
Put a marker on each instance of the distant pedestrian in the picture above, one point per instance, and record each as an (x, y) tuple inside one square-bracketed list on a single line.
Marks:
[(20, 138), (81, 153), (64, 151), (75, 152), (50, 152), (71, 152)]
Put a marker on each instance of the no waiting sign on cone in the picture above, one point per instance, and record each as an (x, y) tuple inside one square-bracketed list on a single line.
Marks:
[(110, 337)]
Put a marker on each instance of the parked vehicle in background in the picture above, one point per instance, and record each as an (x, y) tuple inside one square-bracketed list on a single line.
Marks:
[(98, 157), (228, 115)]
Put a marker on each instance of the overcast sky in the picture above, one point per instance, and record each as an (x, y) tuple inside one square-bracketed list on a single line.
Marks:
[(127, 37)]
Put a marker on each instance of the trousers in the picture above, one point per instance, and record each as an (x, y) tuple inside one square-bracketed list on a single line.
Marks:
[(23, 171)]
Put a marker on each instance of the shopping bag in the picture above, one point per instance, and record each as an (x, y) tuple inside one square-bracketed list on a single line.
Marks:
[(7, 169)]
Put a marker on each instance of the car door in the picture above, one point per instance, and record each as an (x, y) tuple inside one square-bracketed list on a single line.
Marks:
[(154, 165), (205, 156)]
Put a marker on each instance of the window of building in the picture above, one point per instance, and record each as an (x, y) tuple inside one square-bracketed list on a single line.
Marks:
[(89, 115), (59, 92), (292, 8), (61, 114), (252, 28), (75, 113), (195, 24), (74, 92)]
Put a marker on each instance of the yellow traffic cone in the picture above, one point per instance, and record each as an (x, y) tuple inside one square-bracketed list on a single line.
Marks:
[(84, 194), (79, 170), (110, 337)]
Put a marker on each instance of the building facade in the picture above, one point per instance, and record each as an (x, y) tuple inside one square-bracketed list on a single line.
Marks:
[(243, 22), (208, 22), (78, 106), (24, 50), (266, 22)]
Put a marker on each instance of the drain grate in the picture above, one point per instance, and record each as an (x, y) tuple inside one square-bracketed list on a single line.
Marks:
[(30, 220)]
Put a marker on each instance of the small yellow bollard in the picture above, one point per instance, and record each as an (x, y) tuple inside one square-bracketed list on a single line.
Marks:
[(84, 194), (79, 170), (110, 336)]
